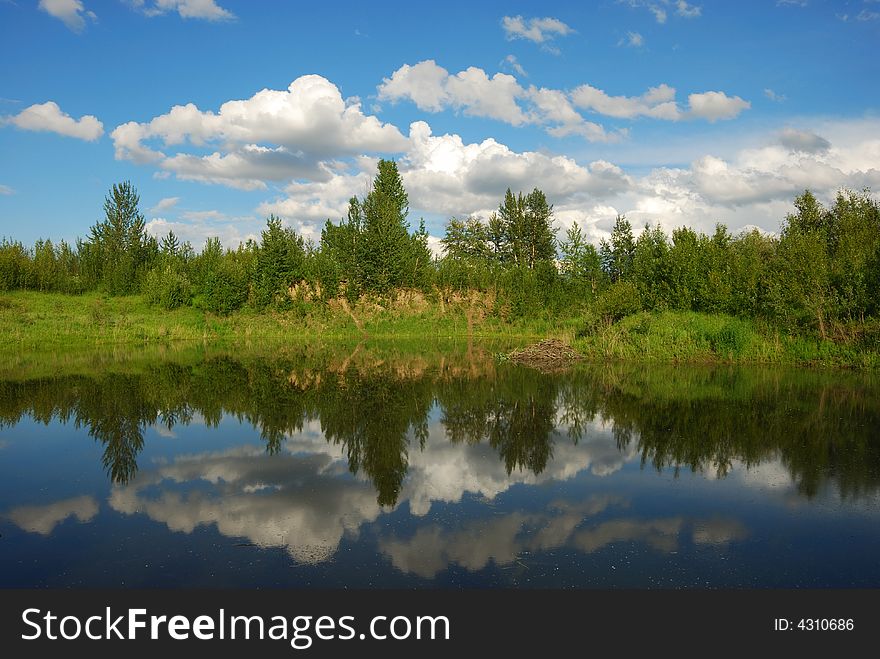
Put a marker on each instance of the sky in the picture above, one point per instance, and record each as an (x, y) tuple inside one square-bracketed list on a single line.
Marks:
[(222, 112)]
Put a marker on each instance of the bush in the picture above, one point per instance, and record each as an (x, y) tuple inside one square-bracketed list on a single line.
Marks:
[(225, 288), (619, 300), (166, 287)]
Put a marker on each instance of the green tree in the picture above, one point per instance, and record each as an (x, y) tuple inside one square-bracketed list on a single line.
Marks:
[(528, 228), (279, 263), (466, 240), (580, 260), (385, 248), (118, 243), (617, 255)]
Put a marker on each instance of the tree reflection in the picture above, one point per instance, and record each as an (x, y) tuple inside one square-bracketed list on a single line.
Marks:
[(821, 425)]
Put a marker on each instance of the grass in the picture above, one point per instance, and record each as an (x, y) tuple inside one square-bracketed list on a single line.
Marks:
[(32, 321), (33, 325), (689, 337)]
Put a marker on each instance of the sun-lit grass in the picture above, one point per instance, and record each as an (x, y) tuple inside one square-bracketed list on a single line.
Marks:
[(679, 337), (32, 324)]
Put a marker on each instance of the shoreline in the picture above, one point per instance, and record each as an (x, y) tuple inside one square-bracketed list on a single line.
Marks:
[(34, 324)]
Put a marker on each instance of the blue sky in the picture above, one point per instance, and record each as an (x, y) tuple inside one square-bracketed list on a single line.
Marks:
[(667, 111)]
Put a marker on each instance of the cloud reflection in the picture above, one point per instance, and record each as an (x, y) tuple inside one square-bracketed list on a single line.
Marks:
[(44, 519)]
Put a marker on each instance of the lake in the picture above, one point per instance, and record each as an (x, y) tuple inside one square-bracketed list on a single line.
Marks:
[(369, 467)]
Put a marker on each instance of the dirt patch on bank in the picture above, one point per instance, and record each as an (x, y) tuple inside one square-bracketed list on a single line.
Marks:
[(546, 355)]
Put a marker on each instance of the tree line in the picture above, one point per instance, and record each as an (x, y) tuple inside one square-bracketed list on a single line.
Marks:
[(821, 273)]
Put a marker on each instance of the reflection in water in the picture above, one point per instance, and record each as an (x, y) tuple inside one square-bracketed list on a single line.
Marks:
[(44, 519), (256, 499), (350, 443), (822, 426)]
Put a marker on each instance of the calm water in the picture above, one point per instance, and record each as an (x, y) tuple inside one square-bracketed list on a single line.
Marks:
[(452, 470)]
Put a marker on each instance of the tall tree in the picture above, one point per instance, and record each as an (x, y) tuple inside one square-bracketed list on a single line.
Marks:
[(617, 255), (119, 240), (385, 246), (528, 228)]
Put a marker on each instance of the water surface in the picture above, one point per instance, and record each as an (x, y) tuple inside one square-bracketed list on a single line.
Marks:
[(370, 468)]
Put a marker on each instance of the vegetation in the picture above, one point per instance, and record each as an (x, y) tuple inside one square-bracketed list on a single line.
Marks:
[(810, 294)]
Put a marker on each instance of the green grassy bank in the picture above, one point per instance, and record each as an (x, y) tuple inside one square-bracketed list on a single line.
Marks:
[(34, 323)]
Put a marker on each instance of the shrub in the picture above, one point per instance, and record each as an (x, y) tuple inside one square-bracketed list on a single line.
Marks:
[(166, 287)]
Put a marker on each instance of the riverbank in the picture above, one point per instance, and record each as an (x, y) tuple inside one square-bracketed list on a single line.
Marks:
[(32, 323)]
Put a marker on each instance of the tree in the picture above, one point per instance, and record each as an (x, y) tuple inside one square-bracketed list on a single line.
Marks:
[(118, 242), (384, 248), (170, 245), (541, 236), (466, 240), (617, 255), (580, 260), (279, 264), (527, 223), (497, 238)]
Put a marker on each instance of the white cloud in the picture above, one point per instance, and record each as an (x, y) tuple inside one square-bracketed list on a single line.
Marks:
[(208, 10), (445, 175), (791, 3), (866, 15), (536, 30), (6, 190), (686, 10), (803, 140), (748, 187), (44, 519), (433, 89), (659, 14), (633, 39), (501, 97), (773, 96), (48, 117), (659, 8), (274, 135), (165, 204), (514, 64), (658, 103), (553, 108), (716, 105), (230, 231), (70, 12), (203, 215)]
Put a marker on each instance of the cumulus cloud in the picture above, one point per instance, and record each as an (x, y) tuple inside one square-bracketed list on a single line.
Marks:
[(48, 117), (747, 188), (658, 103), (444, 174), (231, 231), (165, 204), (536, 30), (713, 106), (433, 89), (274, 135), (70, 12), (803, 140), (6, 190), (44, 519), (208, 10)]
